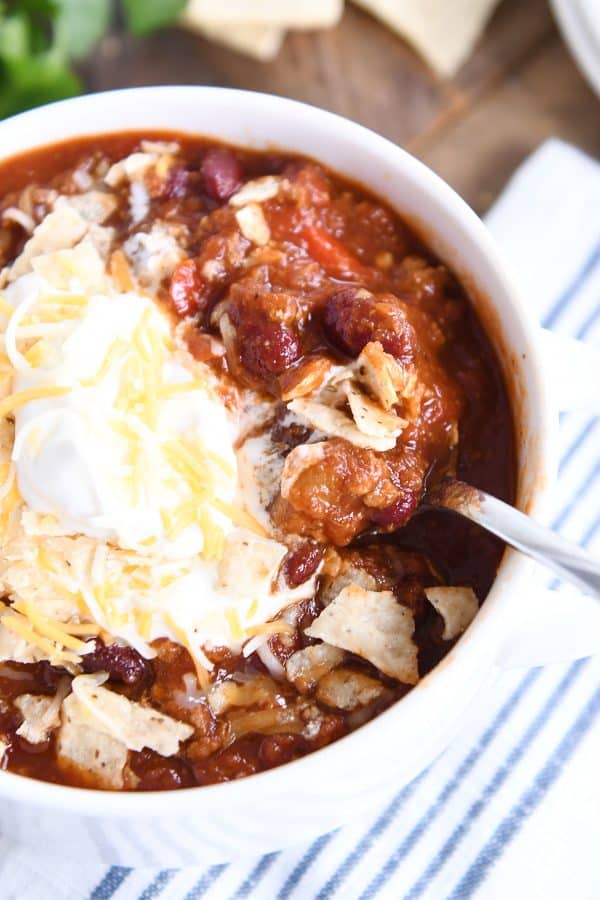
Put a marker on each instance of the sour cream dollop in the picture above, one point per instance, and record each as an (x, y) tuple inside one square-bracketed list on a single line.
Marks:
[(135, 440)]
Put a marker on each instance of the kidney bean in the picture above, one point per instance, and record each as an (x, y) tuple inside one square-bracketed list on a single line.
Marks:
[(399, 512), (268, 348), (123, 664), (187, 289), (300, 564), (221, 174), (177, 183), (157, 773), (352, 317)]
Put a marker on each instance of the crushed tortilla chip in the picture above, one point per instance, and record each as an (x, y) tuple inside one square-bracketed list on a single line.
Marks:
[(336, 423), (134, 725), (256, 191), (41, 715), (153, 254), (249, 564), (305, 378), (253, 225), (380, 373), (349, 575), (348, 689), (306, 667), (373, 625), (371, 419), (93, 206), (132, 168), (85, 746), (457, 606), (14, 648), (60, 229), (82, 262)]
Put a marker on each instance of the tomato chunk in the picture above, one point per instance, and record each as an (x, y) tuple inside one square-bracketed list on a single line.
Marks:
[(187, 290), (331, 254)]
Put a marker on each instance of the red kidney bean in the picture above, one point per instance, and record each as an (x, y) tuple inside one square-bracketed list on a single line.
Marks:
[(123, 664), (399, 512), (221, 174), (268, 348), (187, 289), (352, 317), (300, 564), (156, 773), (177, 183)]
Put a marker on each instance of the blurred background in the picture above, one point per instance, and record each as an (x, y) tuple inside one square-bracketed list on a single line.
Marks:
[(470, 87)]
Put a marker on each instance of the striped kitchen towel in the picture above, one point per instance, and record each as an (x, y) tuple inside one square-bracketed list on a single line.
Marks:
[(510, 810)]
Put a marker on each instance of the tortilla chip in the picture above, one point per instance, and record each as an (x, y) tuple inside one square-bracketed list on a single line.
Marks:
[(153, 255), (373, 625), (336, 423), (305, 378), (380, 373), (306, 667), (88, 748), (348, 689), (349, 575), (80, 268), (41, 715), (253, 225), (136, 726), (132, 168), (371, 419), (93, 206), (444, 33), (272, 13), (59, 230), (260, 41), (16, 649), (249, 564), (256, 191), (458, 606)]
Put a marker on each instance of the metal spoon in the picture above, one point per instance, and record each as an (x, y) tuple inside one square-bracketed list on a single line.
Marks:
[(524, 534)]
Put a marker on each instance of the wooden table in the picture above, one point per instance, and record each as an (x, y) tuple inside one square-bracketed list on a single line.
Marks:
[(519, 87)]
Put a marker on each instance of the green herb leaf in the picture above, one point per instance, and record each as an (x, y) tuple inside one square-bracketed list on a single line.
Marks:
[(14, 37), (147, 15), (29, 81), (79, 25)]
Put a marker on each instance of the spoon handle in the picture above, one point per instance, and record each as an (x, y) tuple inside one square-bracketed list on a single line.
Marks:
[(523, 533)]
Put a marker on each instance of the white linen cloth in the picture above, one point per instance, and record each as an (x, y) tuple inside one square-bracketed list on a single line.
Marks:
[(510, 810)]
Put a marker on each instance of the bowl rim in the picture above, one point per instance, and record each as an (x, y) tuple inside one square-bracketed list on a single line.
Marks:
[(483, 634)]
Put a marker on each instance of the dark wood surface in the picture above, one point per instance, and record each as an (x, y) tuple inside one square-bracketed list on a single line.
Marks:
[(519, 87)]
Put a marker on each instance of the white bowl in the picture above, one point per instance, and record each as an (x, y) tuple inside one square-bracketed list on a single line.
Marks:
[(316, 793)]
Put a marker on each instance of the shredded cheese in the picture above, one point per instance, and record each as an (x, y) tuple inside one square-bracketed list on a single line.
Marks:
[(278, 627), (19, 398)]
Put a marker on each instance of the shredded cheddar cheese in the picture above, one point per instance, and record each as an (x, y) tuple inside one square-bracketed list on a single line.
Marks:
[(19, 398)]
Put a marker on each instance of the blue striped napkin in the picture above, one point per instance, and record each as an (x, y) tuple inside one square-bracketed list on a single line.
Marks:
[(510, 810)]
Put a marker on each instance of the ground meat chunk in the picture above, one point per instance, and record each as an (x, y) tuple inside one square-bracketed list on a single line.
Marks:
[(330, 501)]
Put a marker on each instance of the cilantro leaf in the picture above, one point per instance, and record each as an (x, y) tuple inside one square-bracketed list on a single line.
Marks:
[(79, 25), (29, 81), (147, 15)]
